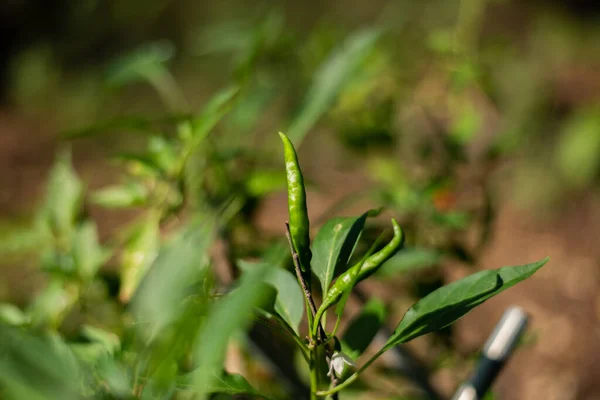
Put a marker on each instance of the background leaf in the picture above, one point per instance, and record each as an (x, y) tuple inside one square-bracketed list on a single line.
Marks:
[(228, 315), (132, 194), (333, 246), (330, 79), (409, 259), (363, 328), (178, 266)]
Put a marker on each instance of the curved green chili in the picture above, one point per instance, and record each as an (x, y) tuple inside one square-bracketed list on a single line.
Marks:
[(368, 267), (298, 215)]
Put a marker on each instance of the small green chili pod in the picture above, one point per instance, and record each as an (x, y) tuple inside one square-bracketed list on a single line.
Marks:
[(369, 266), (298, 215)]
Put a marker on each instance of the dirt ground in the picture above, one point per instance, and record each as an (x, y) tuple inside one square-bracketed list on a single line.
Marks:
[(562, 298)]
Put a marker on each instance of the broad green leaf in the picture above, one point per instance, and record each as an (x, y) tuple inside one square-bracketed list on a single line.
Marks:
[(88, 255), (132, 194), (138, 254), (179, 265), (410, 259), (449, 303), (363, 328), (228, 315), (289, 303), (64, 197), (37, 367), (329, 80), (333, 246)]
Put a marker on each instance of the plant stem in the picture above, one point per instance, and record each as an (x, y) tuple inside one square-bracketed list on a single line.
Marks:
[(314, 378), (311, 308)]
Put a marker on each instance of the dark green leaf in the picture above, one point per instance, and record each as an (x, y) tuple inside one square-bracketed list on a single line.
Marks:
[(449, 303), (228, 315), (333, 246), (363, 328), (289, 303), (329, 80)]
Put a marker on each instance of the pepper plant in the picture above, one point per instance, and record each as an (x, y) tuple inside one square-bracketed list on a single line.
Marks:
[(329, 257)]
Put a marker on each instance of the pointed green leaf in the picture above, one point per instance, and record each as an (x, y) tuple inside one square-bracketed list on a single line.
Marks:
[(64, 196), (362, 329), (289, 303), (333, 246), (228, 315), (449, 303), (329, 80), (137, 64), (213, 111)]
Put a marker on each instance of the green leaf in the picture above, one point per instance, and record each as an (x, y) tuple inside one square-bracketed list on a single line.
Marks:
[(232, 384), (162, 152), (260, 183), (289, 303), (578, 150), (37, 367), (363, 328), (213, 111), (179, 265), (132, 194), (408, 260), (64, 196), (449, 303), (88, 255), (138, 254), (136, 65), (108, 340), (12, 315), (229, 314), (53, 304), (333, 246), (330, 78)]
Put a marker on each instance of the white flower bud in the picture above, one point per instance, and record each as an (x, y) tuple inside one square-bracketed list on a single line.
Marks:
[(341, 365)]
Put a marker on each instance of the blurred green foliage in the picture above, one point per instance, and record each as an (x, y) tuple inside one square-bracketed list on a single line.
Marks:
[(410, 97)]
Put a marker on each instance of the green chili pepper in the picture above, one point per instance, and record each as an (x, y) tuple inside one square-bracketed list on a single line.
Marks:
[(367, 268), (298, 215)]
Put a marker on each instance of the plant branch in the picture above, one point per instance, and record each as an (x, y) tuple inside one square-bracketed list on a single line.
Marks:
[(309, 300)]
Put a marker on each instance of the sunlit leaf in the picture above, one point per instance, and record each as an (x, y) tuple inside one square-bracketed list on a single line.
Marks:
[(132, 194), (137, 255), (333, 246), (289, 303), (12, 315), (449, 303)]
